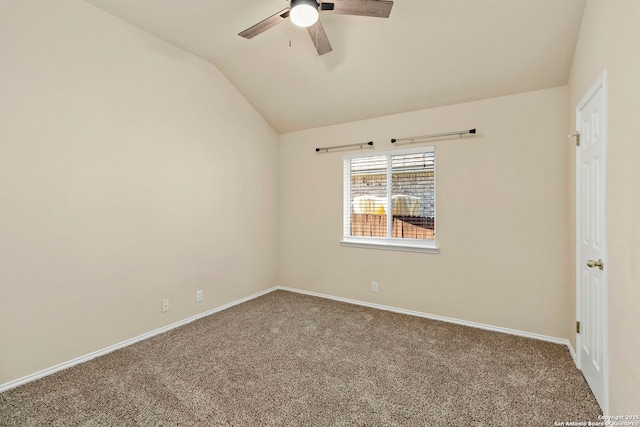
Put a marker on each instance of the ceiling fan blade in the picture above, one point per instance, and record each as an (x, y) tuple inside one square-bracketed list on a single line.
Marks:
[(374, 8), (319, 38), (265, 24)]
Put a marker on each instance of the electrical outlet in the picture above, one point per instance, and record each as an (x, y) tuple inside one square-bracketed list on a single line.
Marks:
[(374, 286), (165, 305), (199, 295)]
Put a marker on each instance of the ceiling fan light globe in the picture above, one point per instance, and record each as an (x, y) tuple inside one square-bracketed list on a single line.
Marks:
[(304, 15)]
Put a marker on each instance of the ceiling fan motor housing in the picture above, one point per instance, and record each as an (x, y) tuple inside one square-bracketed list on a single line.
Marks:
[(312, 3)]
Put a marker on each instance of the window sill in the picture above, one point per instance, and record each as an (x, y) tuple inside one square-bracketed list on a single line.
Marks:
[(390, 245)]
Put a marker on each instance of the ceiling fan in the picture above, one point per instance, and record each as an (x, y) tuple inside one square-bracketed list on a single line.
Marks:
[(304, 13)]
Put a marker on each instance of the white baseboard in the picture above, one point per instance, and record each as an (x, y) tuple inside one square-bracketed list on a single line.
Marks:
[(573, 353), (106, 350), (562, 341)]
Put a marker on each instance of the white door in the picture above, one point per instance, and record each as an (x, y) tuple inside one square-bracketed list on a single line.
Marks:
[(591, 236)]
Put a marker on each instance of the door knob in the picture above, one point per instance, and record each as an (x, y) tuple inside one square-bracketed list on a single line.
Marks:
[(591, 263)]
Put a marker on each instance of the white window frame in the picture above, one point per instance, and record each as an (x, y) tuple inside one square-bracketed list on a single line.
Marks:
[(388, 243)]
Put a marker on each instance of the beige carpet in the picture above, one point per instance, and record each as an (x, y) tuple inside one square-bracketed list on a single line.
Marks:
[(293, 360)]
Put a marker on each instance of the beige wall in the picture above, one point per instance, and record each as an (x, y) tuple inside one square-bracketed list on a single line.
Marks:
[(610, 39), (501, 215), (130, 171)]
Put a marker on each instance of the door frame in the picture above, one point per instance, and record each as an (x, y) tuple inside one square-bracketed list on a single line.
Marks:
[(600, 84)]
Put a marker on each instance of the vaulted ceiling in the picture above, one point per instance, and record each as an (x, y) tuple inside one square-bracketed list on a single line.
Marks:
[(428, 53)]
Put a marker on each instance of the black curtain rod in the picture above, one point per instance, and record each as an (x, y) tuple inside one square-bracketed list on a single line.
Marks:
[(361, 145), (435, 135)]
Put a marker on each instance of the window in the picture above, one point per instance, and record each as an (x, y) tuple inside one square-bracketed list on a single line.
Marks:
[(401, 183)]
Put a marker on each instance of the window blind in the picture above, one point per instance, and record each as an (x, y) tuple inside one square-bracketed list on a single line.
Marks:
[(390, 195)]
